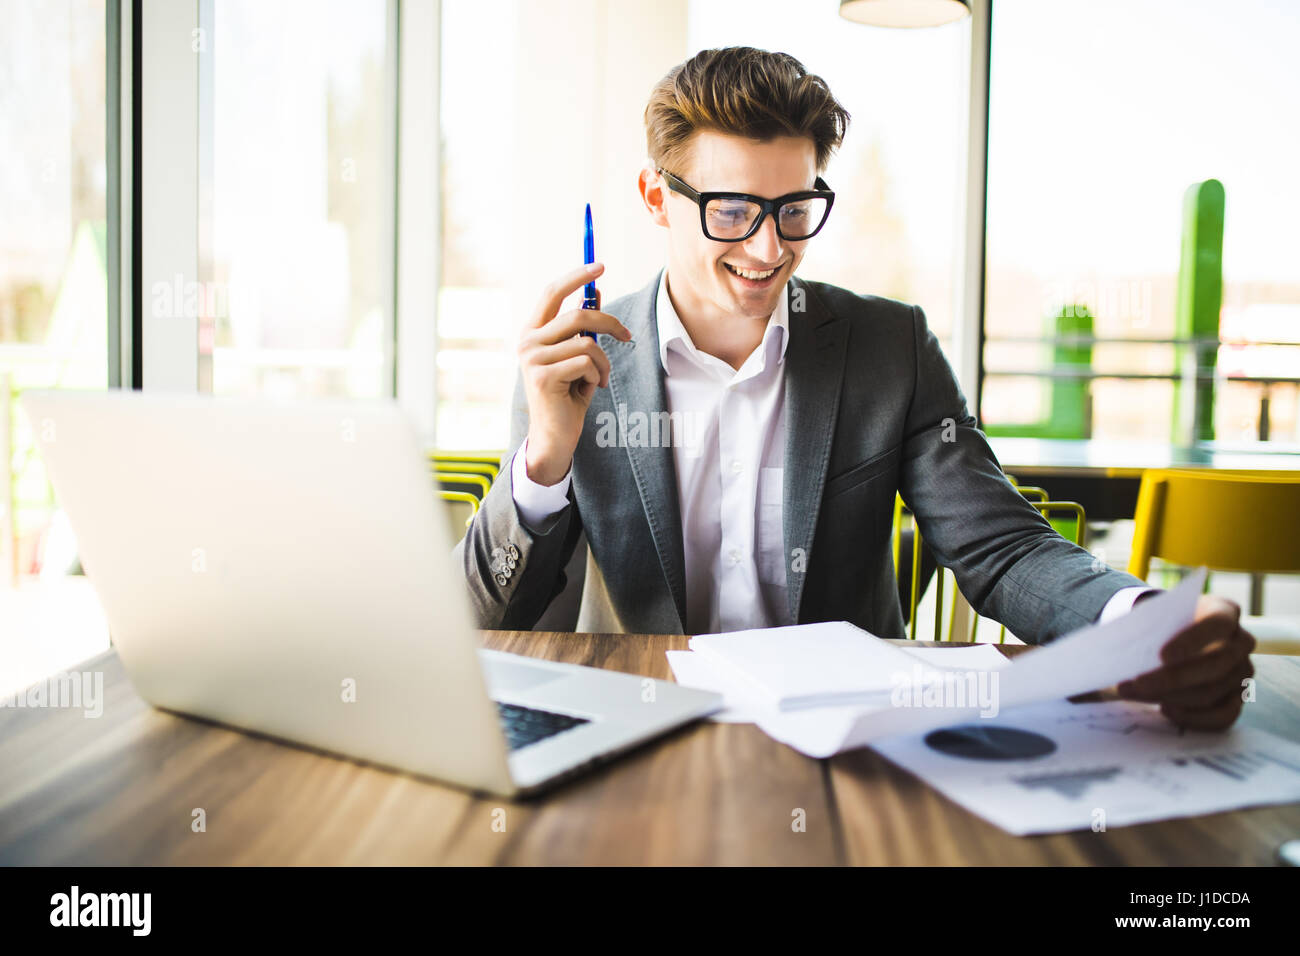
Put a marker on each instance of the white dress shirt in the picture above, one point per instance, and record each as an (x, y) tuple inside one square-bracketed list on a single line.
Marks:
[(729, 460)]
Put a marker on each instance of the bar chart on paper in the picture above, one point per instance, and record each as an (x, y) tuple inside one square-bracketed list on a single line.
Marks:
[(1059, 766)]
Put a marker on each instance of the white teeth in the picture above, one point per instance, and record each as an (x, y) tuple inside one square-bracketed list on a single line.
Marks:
[(750, 273)]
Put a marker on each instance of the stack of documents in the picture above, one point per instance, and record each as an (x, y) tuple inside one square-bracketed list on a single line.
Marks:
[(763, 673), (826, 688)]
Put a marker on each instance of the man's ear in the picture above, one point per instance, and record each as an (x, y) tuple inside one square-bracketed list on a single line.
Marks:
[(654, 194)]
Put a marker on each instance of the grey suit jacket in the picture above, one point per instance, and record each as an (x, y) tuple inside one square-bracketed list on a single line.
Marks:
[(872, 407)]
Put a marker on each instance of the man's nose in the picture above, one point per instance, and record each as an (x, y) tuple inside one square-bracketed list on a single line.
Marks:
[(765, 245)]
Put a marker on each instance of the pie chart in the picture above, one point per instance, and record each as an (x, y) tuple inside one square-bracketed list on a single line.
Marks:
[(973, 742)]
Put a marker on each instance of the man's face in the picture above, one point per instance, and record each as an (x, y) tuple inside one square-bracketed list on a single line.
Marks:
[(703, 273)]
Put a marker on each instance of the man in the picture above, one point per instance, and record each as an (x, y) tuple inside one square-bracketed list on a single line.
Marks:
[(732, 441)]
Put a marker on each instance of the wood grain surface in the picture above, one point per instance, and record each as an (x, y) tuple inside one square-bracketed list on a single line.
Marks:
[(122, 789)]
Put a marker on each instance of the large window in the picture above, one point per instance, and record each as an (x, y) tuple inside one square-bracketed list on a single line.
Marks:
[(1101, 117), (893, 231), (481, 212), (301, 192), (529, 137), (53, 310)]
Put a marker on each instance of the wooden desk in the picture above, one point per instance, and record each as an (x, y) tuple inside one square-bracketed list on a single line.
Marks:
[(121, 789)]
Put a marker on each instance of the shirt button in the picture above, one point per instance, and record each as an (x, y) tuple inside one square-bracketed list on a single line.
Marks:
[(733, 557), (735, 467)]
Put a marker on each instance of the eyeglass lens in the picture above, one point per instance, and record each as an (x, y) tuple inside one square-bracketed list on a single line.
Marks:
[(733, 218)]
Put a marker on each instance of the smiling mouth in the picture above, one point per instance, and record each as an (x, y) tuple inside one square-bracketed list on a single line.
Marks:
[(753, 275)]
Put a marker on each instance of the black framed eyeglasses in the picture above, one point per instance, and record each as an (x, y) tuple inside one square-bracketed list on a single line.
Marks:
[(734, 217)]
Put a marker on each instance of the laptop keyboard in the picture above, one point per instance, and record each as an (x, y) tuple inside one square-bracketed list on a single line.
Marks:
[(526, 725)]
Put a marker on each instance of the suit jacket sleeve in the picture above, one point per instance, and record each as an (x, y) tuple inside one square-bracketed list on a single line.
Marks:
[(513, 572), (1009, 562)]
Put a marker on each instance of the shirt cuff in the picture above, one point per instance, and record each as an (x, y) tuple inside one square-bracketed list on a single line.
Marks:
[(536, 503), (1120, 603)]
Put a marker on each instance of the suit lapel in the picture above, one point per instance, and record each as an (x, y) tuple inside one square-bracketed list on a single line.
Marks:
[(636, 382), (814, 373)]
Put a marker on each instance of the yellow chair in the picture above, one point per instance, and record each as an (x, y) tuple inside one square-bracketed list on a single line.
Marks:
[(466, 468), (1245, 522), (963, 621), (461, 508), (456, 461), (1032, 492), (463, 480), (476, 485), (961, 617)]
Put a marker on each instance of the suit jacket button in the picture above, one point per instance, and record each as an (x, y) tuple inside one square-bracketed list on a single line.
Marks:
[(513, 552), (502, 579)]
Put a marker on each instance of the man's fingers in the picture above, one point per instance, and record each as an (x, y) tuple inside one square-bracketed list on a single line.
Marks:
[(555, 293), (577, 345), (1218, 716), (581, 320), (1216, 620), (1208, 694), (580, 368), (1211, 666)]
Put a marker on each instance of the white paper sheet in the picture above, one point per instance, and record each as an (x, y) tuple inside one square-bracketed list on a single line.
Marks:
[(1112, 764), (697, 671), (1104, 654), (1091, 658), (742, 706), (975, 657), (808, 664)]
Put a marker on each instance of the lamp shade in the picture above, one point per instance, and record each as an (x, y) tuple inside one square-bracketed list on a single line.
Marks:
[(904, 13)]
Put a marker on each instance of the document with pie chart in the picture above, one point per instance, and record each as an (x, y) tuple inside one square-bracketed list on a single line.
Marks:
[(1058, 766)]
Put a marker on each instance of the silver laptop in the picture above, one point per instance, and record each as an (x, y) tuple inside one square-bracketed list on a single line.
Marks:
[(286, 569)]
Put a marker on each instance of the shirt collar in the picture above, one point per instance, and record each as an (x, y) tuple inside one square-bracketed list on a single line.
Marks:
[(671, 330)]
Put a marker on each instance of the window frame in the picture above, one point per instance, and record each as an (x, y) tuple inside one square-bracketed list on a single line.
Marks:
[(160, 123)]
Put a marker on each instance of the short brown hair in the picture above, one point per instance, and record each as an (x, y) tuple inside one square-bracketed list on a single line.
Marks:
[(746, 92)]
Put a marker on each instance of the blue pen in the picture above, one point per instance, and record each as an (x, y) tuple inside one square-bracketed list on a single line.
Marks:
[(588, 257)]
